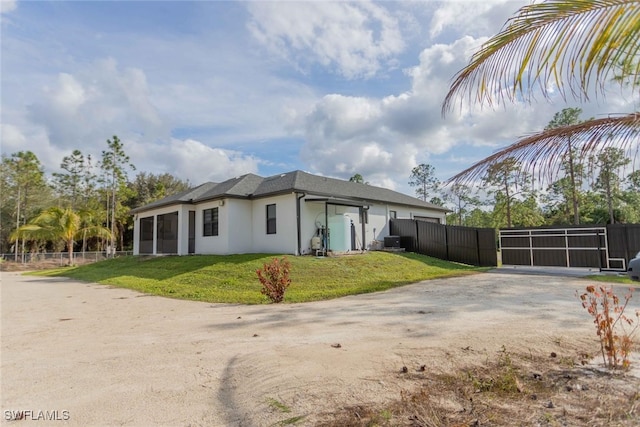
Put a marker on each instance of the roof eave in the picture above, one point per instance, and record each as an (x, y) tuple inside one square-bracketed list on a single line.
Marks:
[(373, 200), (161, 205)]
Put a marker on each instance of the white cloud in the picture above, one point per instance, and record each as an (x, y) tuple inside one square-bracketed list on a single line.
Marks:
[(68, 96), (195, 161), (355, 39), (472, 17), (26, 137), (211, 94), (12, 137), (95, 103), (386, 137), (82, 110), (8, 6), (347, 135)]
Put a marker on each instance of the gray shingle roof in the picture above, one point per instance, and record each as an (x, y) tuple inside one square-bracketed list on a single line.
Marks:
[(242, 186), (186, 196), (253, 186)]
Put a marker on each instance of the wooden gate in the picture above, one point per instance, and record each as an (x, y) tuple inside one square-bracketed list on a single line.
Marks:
[(559, 247)]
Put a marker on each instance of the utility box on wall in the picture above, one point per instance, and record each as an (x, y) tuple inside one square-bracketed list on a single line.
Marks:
[(392, 242)]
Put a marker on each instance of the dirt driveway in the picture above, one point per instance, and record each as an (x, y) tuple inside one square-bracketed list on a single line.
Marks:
[(95, 355)]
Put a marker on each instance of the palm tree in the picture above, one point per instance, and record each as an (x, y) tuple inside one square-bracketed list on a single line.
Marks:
[(57, 224), (575, 47)]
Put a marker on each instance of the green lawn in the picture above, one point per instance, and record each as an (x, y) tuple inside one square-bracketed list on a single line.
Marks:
[(233, 279), (608, 278)]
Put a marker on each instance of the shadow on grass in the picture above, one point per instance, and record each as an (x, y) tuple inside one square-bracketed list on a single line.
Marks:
[(436, 262), (154, 268), (232, 278)]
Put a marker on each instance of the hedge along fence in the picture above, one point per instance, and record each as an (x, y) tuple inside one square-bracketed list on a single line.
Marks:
[(468, 245)]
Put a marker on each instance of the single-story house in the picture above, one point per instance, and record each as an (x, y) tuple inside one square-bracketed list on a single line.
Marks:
[(291, 213)]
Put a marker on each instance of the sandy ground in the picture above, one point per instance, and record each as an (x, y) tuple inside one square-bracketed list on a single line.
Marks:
[(106, 356)]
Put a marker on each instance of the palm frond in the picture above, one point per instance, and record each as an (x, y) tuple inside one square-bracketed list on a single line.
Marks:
[(94, 231), (31, 232), (544, 152), (572, 46)]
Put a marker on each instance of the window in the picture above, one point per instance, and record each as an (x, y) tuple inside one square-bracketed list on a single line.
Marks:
[(393, 214), (210, 222), (271, 219)]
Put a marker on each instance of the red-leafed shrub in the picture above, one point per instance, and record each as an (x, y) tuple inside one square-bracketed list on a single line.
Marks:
[(274, 277)]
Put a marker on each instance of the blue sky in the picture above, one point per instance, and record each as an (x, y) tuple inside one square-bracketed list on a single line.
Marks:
[(210, 90)]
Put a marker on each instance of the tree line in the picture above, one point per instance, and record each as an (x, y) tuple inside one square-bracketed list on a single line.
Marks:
[(589, 189), (84, 207)]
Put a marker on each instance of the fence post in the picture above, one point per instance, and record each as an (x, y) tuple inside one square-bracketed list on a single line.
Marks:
[(446, 241), (478, 263), (627, 255)]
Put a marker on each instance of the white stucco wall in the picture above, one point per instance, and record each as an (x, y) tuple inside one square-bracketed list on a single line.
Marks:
[(136, 234), (239, 217), (242, 224), (212, 244), (285, 239), (378, 225), (310, 213)]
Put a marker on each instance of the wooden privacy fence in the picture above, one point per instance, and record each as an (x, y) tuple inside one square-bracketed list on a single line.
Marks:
[(623, 240), (468, 245)]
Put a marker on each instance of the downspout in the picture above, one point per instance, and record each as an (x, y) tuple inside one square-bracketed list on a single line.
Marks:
[(326, 242), (299, 196)]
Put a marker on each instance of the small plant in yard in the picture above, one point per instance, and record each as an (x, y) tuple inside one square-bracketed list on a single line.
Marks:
[(501, 379), (610, 319), (276, 404), (274, 277)]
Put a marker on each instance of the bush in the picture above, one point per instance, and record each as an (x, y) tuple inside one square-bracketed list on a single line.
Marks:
[(274, 277), (608, 316)]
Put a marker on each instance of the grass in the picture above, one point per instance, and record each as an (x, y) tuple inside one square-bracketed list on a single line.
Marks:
[(610, 278), (291, 421), (276, 404), (503, 389), (281, 407), (233, 279)]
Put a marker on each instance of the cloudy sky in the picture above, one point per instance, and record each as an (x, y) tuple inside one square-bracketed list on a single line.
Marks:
[(209, 90)]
